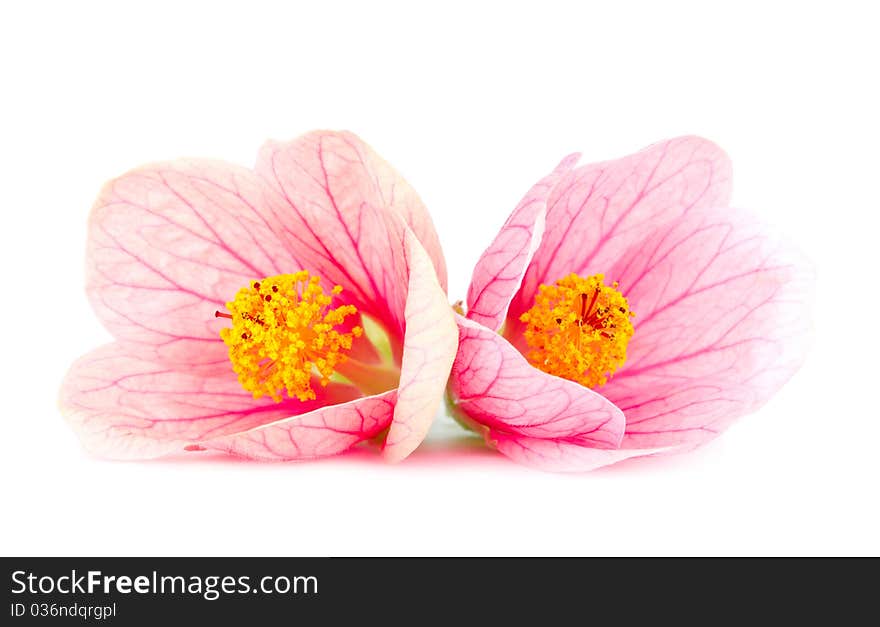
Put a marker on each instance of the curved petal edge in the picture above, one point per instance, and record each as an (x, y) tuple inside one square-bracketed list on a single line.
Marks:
[(499, 271), (428, 351), (722, 322), (496, 388), (125, 407)]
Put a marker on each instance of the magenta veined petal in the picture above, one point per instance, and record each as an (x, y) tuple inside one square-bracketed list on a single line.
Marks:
[(125, 407), (360, 228), (323, 432), (499, 272), (171, 243), (722, 322), (496, 388), (336, 191), (396, 194), (598, 211)]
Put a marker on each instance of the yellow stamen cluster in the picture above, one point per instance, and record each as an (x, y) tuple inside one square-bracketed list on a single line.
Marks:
[(283, 332), (578, 329)]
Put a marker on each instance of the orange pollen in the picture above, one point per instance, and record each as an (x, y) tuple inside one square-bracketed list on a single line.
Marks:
[(579, 329), (285, 335)]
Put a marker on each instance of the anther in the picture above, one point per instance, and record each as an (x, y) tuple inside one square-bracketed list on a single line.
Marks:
[(594, 346), (285, 344)]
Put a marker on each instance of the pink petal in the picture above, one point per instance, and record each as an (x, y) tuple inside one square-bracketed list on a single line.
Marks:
[(342, 223), (559, 455), (125, 407), (169, 244), (500, 270), (429, 348), (598, 211), (336, 191), (495, 386), (399, 196), (323, 432), (722, 321)]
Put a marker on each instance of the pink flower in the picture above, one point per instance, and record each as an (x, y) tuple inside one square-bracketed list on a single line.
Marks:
[(720, 313), (172, 243)]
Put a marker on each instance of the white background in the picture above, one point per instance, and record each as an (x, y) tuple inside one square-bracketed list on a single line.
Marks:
[(473, 103)]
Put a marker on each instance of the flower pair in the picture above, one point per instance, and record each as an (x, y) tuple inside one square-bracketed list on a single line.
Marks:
[(294, 310)]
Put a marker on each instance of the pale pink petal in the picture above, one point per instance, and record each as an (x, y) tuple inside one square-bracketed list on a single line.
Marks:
[(428, 351), (320, 433), (171, 243), (125, 407), (337, 192), (494, 385), (559, 455), (722, 321), (500, 270), (598, 211)]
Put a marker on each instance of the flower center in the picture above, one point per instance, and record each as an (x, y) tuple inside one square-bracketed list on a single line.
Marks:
[(283, 332), (578, 329)]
